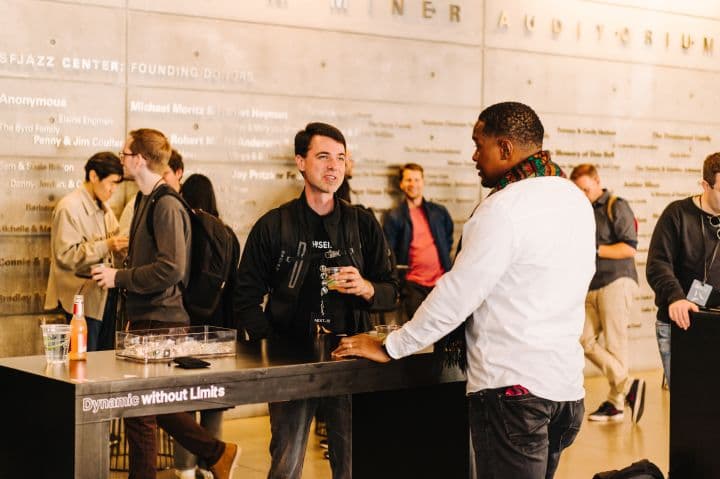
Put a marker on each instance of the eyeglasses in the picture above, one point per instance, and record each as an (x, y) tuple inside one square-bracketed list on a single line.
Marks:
[(122, 154)]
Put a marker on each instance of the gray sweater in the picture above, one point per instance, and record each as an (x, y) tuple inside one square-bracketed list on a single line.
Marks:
[(157, 265)]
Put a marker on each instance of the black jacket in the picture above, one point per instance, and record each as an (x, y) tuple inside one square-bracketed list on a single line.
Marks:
[(678, 254), (264, 269)]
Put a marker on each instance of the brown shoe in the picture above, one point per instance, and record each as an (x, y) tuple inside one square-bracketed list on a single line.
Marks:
[(222, 469)]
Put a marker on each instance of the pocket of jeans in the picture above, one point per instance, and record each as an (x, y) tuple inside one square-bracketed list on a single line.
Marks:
[(568, 437), (526, 420)]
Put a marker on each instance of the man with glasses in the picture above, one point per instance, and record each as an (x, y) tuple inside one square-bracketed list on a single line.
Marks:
[(172, 178), (608, 302), (682, 265), (158, 262)]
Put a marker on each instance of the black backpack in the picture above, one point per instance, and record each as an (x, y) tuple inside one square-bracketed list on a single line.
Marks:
[(638, 470), (215, 257)]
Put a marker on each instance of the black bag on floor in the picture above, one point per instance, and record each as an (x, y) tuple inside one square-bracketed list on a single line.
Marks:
[(638, 470)]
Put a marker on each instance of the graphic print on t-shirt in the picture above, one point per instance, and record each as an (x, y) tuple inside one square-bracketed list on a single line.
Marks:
[(321, 306)]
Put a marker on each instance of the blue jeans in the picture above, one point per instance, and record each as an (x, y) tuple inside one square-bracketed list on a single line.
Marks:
[(520, 437), (290, 426), (662, 333)]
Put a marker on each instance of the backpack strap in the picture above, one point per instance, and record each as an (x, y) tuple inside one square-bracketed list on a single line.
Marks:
[(351, 233), (292, 248), (610, 204), (160, 191)]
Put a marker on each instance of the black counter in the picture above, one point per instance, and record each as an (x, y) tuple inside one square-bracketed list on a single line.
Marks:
[(694, 410), (58, 415)]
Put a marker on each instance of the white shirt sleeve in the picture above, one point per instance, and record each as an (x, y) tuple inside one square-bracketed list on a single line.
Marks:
[(488, 248)]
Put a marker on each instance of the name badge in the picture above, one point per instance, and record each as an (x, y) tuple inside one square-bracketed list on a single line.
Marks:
[(699, 292)]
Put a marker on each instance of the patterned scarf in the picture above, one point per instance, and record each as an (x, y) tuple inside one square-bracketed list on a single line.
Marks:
[(539, 164)]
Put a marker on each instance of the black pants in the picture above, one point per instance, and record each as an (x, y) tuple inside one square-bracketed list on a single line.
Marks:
[(141, 431), (413, 294), (520, 437)]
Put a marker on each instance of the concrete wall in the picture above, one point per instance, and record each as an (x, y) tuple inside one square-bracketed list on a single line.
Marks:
[(628, 85)]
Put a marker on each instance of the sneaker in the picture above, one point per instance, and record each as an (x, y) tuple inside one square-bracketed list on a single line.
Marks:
[(185, 473), (320, 428), (607, 413), (222, 469), (636, 399), (201, 473), (323, 443)]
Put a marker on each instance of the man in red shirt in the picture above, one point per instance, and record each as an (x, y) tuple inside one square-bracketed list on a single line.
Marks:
[(420, 233)]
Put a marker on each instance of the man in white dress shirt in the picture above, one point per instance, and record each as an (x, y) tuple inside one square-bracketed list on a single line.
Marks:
[(520, 279)]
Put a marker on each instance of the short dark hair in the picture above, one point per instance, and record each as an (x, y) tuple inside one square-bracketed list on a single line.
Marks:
[(154, 146), (585, 169), (199, 193), (176, 162), (711, 167), (304, 137), (103, 164), (413, 167), (513, 120)]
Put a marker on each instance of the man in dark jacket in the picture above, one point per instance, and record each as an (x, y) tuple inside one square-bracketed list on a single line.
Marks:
[(420, 233), (324, 265), (682, 265)]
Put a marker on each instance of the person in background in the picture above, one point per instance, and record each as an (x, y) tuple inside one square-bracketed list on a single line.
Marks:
[(172, 178), (608, 303), (84, 233), (343, 192), (420, 234), (527, 258), (198, 192), (157, 263), (304, 305), (682, 257)]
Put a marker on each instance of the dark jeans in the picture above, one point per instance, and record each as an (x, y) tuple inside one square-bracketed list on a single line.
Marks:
[(290, 425), (413, 294), (141, 431), (520, 437)]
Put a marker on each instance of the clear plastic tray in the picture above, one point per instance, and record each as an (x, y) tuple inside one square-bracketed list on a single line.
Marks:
[(165, 344)]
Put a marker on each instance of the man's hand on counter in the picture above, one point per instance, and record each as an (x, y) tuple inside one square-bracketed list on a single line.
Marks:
[(679, 311), (105, 277), (361, 346)]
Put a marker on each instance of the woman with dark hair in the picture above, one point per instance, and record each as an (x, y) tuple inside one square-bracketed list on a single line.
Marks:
[(199, 193), (84, 233)]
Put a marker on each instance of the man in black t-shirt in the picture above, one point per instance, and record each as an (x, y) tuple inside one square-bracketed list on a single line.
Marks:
[(290, 255)]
